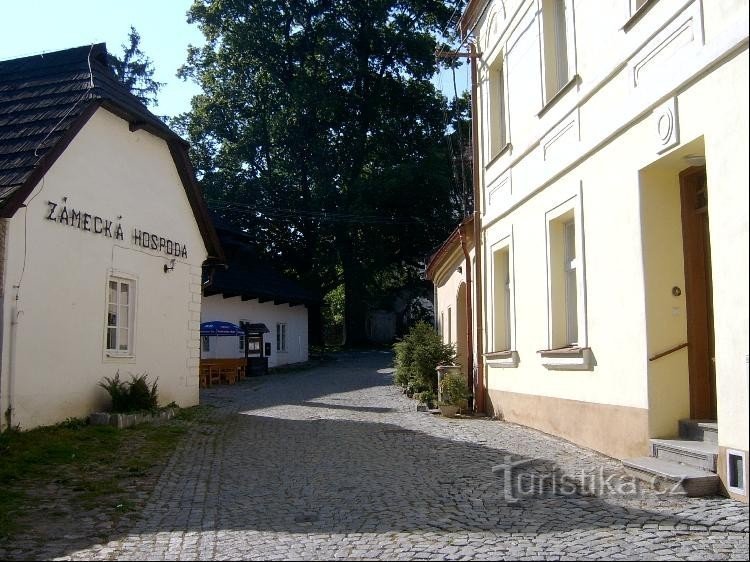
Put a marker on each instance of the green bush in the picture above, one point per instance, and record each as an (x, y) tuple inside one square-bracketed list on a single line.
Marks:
[(417, 357), (132, 396), (453, 389), (426, 397)]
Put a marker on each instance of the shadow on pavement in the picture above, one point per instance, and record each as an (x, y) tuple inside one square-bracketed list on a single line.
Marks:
[(273, 472)]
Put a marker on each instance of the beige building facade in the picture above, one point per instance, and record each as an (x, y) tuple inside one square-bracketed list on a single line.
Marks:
[(613, 201)]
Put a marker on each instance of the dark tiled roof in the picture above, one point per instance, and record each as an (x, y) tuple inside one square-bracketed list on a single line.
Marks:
[(41, 98), (45, 99), (246, 276)]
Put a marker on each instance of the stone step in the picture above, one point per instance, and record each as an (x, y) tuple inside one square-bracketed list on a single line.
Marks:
[(700, 430), (671, 477), (699, 454)]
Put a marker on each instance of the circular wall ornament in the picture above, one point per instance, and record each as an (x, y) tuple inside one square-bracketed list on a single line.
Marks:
[(665, 126)]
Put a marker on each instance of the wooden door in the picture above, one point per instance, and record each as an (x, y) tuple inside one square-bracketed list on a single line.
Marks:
[(698, 292)]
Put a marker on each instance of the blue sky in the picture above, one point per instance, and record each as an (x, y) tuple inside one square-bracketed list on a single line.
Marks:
[(29, 27)]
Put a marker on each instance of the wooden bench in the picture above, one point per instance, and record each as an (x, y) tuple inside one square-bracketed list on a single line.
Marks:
[(215, 371)]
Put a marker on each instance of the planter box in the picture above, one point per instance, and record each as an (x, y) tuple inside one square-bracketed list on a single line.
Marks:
[(121, 421), (448, 410)]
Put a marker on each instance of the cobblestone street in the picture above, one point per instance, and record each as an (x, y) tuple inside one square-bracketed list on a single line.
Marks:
[(335, 463)]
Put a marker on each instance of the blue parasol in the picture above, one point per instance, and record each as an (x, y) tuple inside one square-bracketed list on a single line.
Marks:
[(218, 328)]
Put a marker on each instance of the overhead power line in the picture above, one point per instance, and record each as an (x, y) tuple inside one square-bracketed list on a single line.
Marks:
[(281, 213)]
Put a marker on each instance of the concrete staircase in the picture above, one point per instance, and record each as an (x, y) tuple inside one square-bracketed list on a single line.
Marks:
[(682, 466)]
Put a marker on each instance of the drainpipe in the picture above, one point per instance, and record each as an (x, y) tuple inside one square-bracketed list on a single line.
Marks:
[(469, 315), (479, 386), (15, 315), (3, 236)]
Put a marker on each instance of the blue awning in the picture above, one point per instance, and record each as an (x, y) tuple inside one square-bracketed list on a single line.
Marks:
[(218, 328)]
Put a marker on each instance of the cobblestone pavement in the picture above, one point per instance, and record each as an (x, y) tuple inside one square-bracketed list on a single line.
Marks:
[(336, 463)]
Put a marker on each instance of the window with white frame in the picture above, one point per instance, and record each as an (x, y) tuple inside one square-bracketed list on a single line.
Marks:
[(120, 316), (281, 337), (571, 283), (563, 281), (497, 109), (450, 326), (636, 5), (501, 292), (441, 327), (556, 36)]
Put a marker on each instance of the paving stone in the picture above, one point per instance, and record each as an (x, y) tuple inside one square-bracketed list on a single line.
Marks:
[(335, 463)]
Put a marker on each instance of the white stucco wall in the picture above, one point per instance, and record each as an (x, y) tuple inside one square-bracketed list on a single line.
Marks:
[(56, 278), (597, 147), (235, 309)]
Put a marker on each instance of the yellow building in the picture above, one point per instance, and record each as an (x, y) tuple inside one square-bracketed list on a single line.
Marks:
[(613, 206)]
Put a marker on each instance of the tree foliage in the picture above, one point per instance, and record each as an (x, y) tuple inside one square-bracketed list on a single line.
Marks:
[(135, 70), (319, 130)]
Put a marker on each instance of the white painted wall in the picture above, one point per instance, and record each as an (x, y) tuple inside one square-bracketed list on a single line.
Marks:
[(56, 276), (235, 309)]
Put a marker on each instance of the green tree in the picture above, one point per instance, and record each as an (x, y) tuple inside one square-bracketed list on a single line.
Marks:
[(318, 129), (135, 70)]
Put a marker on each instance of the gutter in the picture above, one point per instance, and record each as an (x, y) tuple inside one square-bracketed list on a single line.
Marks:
[(469, 316), (479, 368), (4, 226)]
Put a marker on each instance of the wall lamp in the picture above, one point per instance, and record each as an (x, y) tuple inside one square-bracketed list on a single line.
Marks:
[(170, 267)]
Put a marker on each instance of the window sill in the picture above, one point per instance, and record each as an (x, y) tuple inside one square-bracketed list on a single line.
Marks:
[(567, 359), (638, 14), (559, 94), (506, 148), (502, 359), (118, 357)]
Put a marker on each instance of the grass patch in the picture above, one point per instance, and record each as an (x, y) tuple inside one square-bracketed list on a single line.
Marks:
[(80, 466)]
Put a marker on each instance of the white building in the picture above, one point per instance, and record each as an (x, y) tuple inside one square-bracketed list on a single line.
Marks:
[(609, 133), (250, 291), (103, 237)]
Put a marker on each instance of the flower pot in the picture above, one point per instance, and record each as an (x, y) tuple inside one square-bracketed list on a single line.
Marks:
[(448, 410)]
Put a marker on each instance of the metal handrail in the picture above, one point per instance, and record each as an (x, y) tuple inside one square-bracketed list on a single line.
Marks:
[(667, 352)]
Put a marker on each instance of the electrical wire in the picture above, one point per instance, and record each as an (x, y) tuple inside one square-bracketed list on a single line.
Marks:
[(283, 213)]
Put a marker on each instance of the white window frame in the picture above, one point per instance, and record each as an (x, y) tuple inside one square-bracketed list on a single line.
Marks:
[(131, 309), (504, 246), (497, 107), (552, 46), (557, 272), (503, 354), (450, 325), (281, 337)]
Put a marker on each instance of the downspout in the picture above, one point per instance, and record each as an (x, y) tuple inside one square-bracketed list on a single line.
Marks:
[(479, 382), (3, 263), (469, 315)]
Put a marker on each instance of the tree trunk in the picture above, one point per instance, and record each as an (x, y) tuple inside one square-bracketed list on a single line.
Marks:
[(355, 308)]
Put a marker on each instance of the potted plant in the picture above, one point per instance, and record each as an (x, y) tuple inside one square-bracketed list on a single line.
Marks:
[(453, 391)]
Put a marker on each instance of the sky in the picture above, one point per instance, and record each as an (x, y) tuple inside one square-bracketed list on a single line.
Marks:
[(29, 27)]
